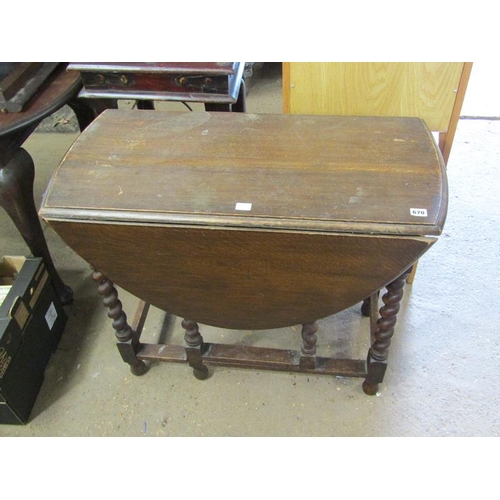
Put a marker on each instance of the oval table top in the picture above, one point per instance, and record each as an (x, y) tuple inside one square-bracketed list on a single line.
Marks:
[(375, 175), (249, 221)]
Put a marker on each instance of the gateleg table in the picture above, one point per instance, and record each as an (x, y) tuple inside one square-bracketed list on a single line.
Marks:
[(248, 221)]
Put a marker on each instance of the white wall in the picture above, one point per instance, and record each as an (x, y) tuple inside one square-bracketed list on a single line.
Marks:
[(483, 92)]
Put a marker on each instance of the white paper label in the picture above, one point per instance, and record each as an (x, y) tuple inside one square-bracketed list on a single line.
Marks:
[(243, 206), (51, 316), (418, 212)]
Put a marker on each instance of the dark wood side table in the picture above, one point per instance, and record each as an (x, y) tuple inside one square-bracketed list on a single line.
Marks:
[(251, 222), (17, 171), (218, 85)]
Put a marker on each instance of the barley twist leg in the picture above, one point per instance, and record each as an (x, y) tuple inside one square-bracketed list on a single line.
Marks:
[(127, 342), (379, 350)]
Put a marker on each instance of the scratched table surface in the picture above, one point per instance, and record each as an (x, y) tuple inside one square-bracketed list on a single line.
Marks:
[(249, 221)]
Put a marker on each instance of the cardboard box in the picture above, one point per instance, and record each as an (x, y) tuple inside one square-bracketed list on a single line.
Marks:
[(32, 320)]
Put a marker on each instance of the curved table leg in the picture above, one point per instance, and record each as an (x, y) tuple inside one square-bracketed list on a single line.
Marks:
[(87, 110), (16, 197)]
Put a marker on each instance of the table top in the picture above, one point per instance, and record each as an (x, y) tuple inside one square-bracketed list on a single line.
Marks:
[(55, 92), (372, 175)]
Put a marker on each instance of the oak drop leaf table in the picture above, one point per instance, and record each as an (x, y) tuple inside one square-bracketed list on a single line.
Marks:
[(252, 222)]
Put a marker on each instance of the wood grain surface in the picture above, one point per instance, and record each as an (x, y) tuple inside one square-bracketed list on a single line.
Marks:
[(301, 172), (244, 279), (424, 89)]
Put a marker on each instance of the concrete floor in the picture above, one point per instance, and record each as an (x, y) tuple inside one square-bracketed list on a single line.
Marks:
[(443, 377)]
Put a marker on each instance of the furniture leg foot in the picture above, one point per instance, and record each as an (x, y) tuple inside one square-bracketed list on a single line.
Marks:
[(370, 389), (194, 349), (16, 196), (65, 294), (201, 374), (139, 368)]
